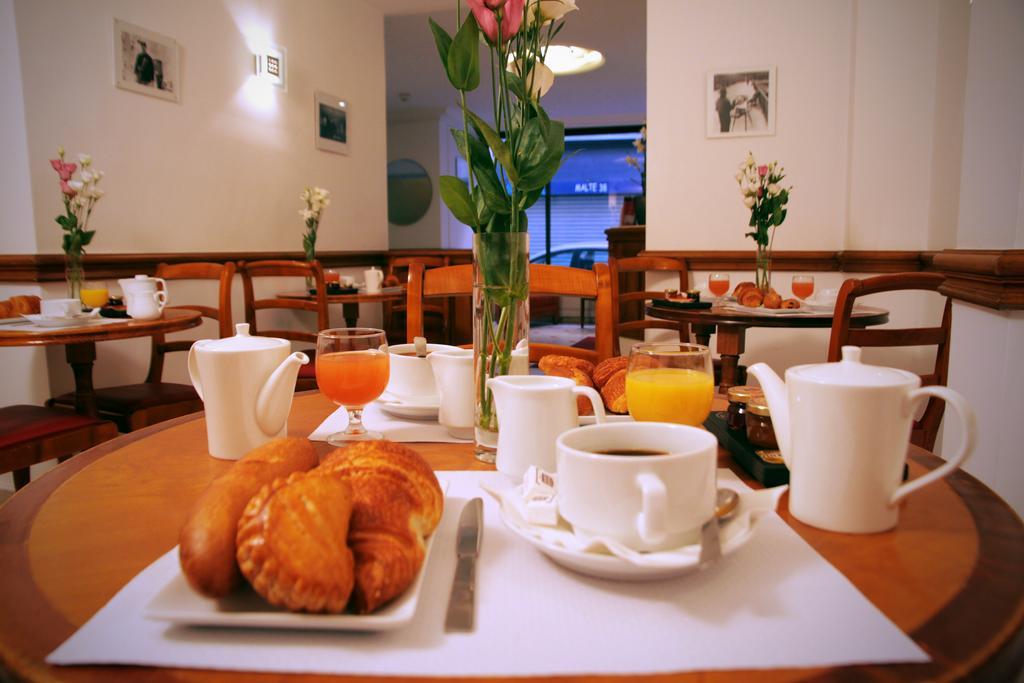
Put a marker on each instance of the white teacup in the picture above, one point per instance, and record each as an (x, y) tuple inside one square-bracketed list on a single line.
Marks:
[(411, 377), (645, 501), (60, 308)]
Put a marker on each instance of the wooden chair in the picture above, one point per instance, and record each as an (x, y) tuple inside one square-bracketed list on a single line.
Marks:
[(636, 266), (134, 406), (926, 429), (394, 314), (33, 434), (544, 279), (300, 269)]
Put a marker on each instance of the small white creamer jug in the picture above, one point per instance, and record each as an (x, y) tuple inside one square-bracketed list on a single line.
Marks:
[(533, 411), (843, 429), (143, 300), (246, 384), (453, 377), (374, 279)]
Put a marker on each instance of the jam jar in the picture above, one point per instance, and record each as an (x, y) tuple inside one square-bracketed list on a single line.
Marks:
[(738, 396), (759, 423)]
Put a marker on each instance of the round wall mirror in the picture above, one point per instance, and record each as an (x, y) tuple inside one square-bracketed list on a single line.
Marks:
[(409, 191)]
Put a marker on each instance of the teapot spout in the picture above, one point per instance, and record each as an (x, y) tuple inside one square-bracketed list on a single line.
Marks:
[(778, 402), (274, 401)]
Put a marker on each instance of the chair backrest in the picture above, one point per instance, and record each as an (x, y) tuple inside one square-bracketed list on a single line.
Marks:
[(225, 273), (926, 429), (637, 299), (303, 269), (544, 279)]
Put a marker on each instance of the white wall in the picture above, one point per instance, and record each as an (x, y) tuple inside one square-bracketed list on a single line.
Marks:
[(417, 137)]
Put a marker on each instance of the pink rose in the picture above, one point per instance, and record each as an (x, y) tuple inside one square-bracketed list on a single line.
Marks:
[(486, 14), (65, 171), (762, 171)]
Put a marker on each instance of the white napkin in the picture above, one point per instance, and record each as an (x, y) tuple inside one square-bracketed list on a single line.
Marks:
[(753, 506), (394, 428), (774, 603)]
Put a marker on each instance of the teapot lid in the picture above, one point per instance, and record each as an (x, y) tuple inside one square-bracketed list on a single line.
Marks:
[(243, 341), (850, 371)]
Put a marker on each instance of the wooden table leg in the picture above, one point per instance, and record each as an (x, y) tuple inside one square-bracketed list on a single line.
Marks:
[(351, 314), (703, 333), (81, 358), (730, 343)]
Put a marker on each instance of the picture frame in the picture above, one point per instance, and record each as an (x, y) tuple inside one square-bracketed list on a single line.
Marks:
[(331, 122), (741, 102), (146, 62)]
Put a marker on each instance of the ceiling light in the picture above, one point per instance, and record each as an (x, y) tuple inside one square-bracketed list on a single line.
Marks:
[(570, 59)]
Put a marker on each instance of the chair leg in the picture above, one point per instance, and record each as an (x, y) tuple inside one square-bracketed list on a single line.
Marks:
[(21, 477)]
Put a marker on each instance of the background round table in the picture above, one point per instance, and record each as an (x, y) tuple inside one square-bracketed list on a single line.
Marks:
[(731, 326), (80, 344), (350, 302), (949, 575)]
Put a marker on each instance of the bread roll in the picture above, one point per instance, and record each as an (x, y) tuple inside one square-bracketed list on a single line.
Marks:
[(751, 297), (292, 543), (553, 360), (397, 504), (772, 300), (614, 393), (608, 367), (207, 541)]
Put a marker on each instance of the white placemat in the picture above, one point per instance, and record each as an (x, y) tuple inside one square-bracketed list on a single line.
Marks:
[(774, 603), (30, 327), (394, 428)]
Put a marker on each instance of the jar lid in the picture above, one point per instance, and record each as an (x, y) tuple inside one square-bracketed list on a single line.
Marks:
[(243, 341), (743, 393), (758, 405)]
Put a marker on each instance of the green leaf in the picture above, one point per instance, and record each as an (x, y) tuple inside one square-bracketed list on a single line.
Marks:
[(497, 145), (484, 172), (528, 199), (456, 198), (87, 237), (442, 40), (540, 151), (463, 60)]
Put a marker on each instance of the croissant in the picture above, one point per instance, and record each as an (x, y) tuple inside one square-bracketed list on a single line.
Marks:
[(554, 360), (751, 297), (743, 287), (608, 367), (772, 300), (396, 504), (614, 393), (291, 543)]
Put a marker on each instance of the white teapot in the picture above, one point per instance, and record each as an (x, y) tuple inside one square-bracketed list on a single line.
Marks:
[(246, 384), (142, 298), (843, 429)]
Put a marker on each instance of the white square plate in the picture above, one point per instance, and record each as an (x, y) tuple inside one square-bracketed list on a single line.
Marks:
[(179, 604)]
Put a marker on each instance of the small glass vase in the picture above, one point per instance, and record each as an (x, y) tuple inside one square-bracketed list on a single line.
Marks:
[(763, 269), (501, 324), (74, 273), (310, 281)]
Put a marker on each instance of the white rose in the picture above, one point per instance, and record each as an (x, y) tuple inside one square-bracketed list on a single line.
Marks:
[(76, 185), (773, 190), (541, 77), (548, 10), (748, 201), (85, 159)]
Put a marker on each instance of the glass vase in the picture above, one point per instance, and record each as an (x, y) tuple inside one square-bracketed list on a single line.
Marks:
[(763, 268), (74, 273), (501, 324)]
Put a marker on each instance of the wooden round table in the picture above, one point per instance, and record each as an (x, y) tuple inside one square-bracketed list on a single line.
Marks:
[(949, 575), (350, 302), (80, 344), (731, 326)]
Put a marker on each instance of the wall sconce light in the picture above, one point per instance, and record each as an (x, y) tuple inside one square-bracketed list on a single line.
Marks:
[(271, 67)]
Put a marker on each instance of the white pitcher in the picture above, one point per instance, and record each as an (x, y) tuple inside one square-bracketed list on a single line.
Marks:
[(142, 298), (453, 377), (246, 384), (374, 279), (533, 411), (843, 429)]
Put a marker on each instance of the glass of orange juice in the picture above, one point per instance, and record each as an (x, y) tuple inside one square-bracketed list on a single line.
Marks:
[(94, 294), (670, 383), (352, 369), (803, 286), (718, 283)]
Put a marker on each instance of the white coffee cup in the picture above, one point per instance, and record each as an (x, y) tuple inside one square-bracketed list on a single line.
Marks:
[(411, 377), (646, 502), (374, 278), (60, 308)]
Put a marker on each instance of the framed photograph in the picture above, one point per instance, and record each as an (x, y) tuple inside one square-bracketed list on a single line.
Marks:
[(330, 124), (741, 102), (146, 62)]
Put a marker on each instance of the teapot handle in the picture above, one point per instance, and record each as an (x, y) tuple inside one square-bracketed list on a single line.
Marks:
[(193, 369), (963, 409)]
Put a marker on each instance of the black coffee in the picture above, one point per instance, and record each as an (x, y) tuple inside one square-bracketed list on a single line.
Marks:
[(631, 451)]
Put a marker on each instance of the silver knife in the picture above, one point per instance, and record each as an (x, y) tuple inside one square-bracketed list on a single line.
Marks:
[(461, 604), (710, 547)]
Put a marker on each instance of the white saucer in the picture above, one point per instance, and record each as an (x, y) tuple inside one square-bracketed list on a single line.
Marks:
[(62, 321), (735, 533), (422, 408)]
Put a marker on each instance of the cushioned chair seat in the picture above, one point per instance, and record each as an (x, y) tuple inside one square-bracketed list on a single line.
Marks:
[(307, 373), (132, 397), (22, 423)]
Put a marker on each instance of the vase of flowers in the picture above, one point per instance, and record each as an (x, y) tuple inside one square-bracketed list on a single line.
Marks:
[(79, 195), (316, 199), (511, 156), (639, 162), (767, 200)]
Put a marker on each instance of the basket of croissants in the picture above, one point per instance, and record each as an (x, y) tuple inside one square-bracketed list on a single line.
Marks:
[(747, 294), (346, 535), (608, 377)]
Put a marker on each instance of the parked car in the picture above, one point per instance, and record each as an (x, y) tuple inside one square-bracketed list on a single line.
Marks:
[(582, 255)]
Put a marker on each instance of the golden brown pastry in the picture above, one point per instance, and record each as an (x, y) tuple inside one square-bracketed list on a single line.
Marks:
[(772, 300), (25, 304), (614, 393), (7, 310), (292, 543), (582, 379), (790, 303), (751, 297), (397, 504), (743, 287), (207, 541), (608, 367), (553, 360)]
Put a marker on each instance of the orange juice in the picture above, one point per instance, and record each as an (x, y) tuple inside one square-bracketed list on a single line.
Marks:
[(95, 298), (718, 287), (352, 378), (669, 395), (802, 290)]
